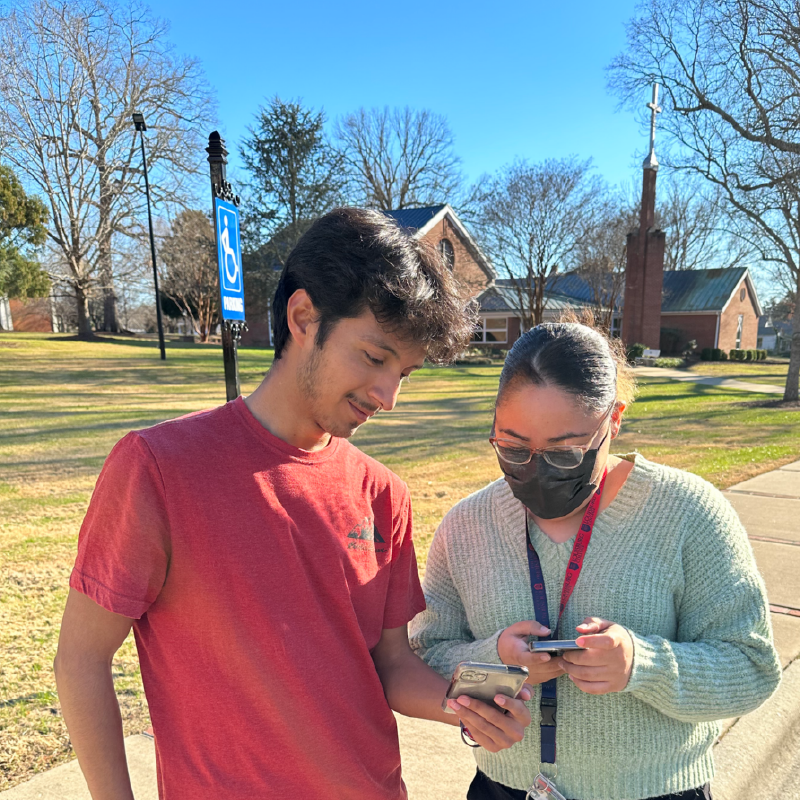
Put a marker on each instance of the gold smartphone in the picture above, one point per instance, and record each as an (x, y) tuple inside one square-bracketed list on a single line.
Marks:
[(484, 681)]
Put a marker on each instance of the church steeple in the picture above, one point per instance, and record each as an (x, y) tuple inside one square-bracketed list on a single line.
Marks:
[(651, 162), (644, 274)]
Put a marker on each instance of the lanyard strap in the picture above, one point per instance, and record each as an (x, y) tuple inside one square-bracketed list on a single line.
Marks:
[(549, 703)]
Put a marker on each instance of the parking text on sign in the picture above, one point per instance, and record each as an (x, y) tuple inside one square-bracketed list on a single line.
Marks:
[(233, 304)]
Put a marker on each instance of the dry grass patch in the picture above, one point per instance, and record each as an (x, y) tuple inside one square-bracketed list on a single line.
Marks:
[(63, 405)]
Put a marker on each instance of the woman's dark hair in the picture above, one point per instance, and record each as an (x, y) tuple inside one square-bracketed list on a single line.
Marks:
[(573, 357), (353, 259)]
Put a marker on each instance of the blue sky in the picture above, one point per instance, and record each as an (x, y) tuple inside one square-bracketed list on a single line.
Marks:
[(513, 79)]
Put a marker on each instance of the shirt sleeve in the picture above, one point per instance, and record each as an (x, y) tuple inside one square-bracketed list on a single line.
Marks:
[(723, 663), (441, 635), (404, 598), (123, 546)]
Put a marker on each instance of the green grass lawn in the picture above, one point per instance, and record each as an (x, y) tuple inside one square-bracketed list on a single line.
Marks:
[(772, 371), (63, 405)]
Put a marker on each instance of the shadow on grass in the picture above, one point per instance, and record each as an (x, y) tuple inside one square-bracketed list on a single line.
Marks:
[(137, 373), (778, 405), (76, 430)]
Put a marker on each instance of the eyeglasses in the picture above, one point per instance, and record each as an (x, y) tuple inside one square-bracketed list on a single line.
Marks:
[(562, 456)]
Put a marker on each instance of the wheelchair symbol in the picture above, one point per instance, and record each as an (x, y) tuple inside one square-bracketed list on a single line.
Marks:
[(229, 254)]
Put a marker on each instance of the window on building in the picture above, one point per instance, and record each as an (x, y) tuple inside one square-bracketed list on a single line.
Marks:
[(616, 326), (739, 327), (742, 294), (448, 254), (491, 330)]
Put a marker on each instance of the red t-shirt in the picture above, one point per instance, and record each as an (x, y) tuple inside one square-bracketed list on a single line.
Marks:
[(259, 577)]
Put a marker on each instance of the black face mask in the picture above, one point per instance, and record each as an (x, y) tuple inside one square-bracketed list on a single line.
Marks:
[(550, 492)]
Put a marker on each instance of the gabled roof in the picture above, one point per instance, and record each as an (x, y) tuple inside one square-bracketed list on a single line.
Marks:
[(685, 291), (694, 290), (412, 219), (418, 221)]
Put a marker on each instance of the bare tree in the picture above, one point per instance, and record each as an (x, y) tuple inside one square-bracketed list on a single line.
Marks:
[(190, 278), (399, 158), (731, 74), (71, 74), (601, 255), (701, 232), (533, 218)]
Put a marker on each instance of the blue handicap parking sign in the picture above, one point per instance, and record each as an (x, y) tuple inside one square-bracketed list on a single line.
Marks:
[(229, 256)]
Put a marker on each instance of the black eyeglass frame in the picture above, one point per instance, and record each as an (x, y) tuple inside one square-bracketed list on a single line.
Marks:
[(582, 449)]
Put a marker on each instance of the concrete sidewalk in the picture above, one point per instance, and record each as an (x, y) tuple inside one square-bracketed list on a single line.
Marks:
[(690, 377), (761, 749)]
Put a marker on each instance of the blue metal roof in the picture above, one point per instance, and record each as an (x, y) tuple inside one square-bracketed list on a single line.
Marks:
[(685, 290), (503, 297), (765, 326), (412, 219), (700, 289)]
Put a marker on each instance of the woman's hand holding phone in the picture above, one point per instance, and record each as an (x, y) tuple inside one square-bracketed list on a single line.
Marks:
[(605, 665), (513, 648), (492, 729)]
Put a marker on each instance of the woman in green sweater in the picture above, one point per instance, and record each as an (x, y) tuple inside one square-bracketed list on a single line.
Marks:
[(648, 566)]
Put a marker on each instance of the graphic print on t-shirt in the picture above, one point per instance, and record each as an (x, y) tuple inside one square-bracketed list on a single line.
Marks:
[(366, 531)]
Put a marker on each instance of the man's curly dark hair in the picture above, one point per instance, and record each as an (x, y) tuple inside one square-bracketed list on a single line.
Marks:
[(353, 259)]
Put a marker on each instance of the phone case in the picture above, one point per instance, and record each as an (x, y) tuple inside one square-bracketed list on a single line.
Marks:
[(484, 681)]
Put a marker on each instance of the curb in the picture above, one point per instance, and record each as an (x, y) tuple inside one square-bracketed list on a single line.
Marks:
[(749, 755)]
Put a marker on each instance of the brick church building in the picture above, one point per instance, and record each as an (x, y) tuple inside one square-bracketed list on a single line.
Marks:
[(441, 227)]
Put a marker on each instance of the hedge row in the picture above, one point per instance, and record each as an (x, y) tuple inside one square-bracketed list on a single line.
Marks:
[(748, 355), (715, 354)]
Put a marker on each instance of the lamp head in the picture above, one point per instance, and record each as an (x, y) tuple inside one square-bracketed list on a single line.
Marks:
[(138, 121)]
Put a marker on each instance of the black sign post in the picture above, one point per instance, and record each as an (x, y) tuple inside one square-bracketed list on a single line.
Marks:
[(226, 229)]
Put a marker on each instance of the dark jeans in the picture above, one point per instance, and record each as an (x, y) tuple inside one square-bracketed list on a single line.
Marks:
[(484, 788)]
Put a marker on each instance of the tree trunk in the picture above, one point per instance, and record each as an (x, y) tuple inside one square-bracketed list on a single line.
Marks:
[(793, 376), (105, 234), (82, 306), (110, 322)]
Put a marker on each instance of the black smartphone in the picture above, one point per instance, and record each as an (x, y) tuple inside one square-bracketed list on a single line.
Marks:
[(555, 647)]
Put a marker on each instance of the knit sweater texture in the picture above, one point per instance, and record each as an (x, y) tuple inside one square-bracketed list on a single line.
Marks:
[(670, 561)]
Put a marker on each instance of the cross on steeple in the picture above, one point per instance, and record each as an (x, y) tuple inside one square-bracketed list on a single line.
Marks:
[(651, 162)]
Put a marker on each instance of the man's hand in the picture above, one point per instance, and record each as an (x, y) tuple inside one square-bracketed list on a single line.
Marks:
[(605, 666), (492, 729), (513, 648)]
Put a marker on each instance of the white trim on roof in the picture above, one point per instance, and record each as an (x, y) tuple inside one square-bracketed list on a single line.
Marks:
[(447, 211), (751, 288)]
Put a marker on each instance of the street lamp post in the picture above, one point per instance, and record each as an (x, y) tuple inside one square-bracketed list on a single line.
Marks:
[(141, 126)]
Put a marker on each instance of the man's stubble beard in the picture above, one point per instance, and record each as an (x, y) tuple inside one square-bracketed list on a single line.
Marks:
[(310, 378)]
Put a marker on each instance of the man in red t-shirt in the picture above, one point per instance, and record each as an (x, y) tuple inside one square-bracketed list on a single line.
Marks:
[(265, 564)]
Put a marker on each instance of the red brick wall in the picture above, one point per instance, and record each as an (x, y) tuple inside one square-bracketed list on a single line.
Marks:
[(32, 315), (702, 327), (465, 268), (644, 279), (730, 321)]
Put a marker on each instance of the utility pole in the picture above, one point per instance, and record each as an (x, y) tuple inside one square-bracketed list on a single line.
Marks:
[(141, 126), (226, 228)]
